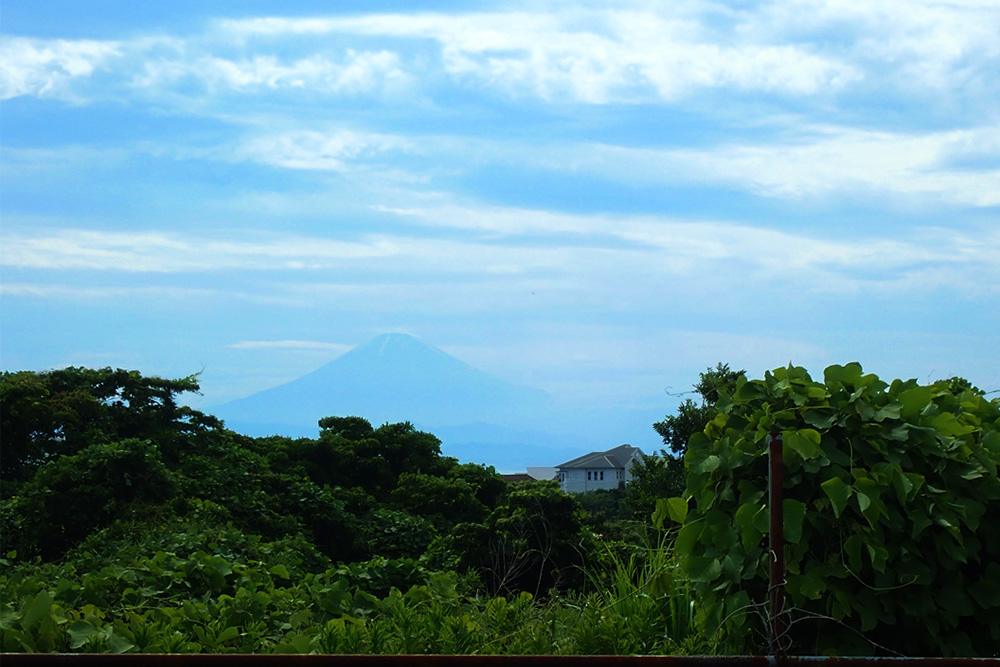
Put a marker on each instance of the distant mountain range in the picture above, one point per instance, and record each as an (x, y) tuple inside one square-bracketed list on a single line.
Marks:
[(479, 417)]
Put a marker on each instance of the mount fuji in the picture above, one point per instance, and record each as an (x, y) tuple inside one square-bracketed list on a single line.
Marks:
[(396, 377)]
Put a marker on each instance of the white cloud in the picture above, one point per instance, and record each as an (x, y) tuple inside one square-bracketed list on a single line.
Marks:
[(46, 67), (951, 166), (926, 44), (317, 150), (318, 73), (524, 259), (821, 161), (594, 54), (104, 292), (712, 253), (588, 56), (170, 252), (294, 345)]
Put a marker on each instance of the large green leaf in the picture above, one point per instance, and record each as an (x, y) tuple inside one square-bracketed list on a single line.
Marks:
[(750, 534), (822, 418), (839, 492), (703, 569), (890, 411), (117, 642), (912, 401), (677, 509), (80, 633), (948, 424), (810, 585), (846, 375), (37, 610), (869, 496), (687, 537), (804, 441), (8, 617), (708, 464), (794, 514)]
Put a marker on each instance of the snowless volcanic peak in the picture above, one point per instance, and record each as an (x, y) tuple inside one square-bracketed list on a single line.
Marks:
[(392, 377)]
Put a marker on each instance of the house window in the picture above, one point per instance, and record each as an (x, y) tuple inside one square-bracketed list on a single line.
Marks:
[(602, 475), (588, 475)]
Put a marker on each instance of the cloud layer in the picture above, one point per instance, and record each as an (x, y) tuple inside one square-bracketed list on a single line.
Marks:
[(579, 185)]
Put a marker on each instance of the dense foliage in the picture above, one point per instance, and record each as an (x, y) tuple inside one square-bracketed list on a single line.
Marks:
[(663, 475), (692, 416), (132, 523), (892, 513)]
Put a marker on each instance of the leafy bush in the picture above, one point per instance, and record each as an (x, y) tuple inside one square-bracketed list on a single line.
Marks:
[(133, 524), (70, 496), (535, 542), (200, 602), (892, 513), (398, 534)]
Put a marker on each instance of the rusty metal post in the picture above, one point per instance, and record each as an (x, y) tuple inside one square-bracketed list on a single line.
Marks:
[(776, 590)]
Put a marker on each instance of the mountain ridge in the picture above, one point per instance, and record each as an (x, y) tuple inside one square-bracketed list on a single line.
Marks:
[(479, 417), (392, 377)]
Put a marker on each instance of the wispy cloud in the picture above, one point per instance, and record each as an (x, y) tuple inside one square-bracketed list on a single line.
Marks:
[(163, 252), (714, 240), (519, 252), (104, 292), (590, 54), (820, 162), (317, 150), (47, 67), (294, 345), (924, 45), (956, 167), (586, 56), (319, 73)]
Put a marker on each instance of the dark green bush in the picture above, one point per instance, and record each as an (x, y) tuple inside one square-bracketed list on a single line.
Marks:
[(892, 513), (73, 495)]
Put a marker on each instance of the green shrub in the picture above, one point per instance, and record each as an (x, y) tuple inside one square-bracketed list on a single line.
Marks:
[(70, 496), (892, 513)]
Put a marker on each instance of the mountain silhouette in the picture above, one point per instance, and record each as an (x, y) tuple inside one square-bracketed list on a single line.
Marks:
[(478, 417), (391, 378)]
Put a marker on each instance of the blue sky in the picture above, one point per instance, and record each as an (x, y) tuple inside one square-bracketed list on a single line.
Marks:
[(597, 199)]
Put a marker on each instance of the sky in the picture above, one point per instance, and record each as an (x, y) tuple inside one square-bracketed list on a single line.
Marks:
[(598, 199)]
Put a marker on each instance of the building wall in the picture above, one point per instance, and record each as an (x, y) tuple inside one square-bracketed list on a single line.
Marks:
[(628, 468), (578, 480)]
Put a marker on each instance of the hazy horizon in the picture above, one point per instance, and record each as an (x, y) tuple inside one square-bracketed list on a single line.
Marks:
[(594, 199)]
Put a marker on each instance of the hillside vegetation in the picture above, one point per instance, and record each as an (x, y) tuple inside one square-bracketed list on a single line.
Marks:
[(133, 523)]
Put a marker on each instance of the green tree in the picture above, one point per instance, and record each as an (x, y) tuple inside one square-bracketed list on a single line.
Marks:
[(487, 484), (654, 477), (397, 533), (349, 452), (663, 476), (441, 500), (73, 495), (45, 415), (692, 416)]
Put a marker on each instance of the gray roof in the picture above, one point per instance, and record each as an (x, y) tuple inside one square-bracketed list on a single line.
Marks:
[(620, 457)]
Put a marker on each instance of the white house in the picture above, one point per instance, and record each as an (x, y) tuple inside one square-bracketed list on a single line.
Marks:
[(599, 470)]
